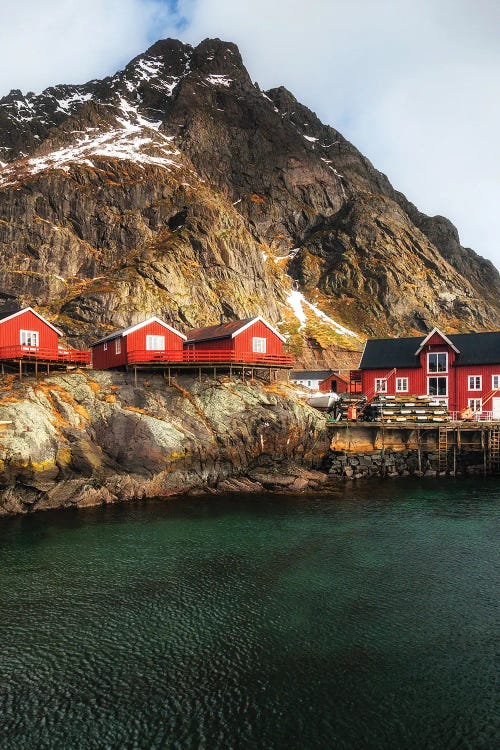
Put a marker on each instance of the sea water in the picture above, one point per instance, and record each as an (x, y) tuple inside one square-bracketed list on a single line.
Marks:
[(368, 618)]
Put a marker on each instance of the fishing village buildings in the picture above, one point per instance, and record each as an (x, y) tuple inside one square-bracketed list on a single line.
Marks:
[(462, 371)]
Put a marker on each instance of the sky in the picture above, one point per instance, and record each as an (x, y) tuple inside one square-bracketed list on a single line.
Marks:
[(414, 84)]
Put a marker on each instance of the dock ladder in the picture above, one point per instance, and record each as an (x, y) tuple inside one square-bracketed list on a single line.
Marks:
[(443, 449), (494, 450)]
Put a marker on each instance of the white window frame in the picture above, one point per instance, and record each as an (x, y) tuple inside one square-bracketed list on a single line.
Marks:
[(437, 395), (259, 345), (25, 338), (155, 343), (476, 404), (495, 382), (105, 346), (380, 385), (401, 385), (437, 372), (118, 346), (473, 382)]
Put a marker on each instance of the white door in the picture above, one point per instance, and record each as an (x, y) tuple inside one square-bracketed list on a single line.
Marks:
[(496, 408)]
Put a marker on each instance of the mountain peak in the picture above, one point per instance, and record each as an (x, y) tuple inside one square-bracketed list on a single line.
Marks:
[(176, 187)]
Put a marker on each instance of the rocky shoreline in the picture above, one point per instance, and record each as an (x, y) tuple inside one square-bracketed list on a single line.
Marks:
[(91, 438)]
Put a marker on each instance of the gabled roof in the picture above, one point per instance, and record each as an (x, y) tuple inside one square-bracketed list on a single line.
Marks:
[(227, 330), (125, 331), (9, 315), (472, 348), (442, 335), (310, 374)]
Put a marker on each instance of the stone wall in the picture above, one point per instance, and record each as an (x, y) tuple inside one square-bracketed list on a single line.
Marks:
[(402, 463)]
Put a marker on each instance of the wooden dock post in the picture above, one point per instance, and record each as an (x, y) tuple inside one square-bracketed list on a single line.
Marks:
[(20, 370), (135, 376)]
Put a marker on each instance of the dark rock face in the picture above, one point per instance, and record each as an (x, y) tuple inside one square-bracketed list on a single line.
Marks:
[(176, 187), (79, 440)]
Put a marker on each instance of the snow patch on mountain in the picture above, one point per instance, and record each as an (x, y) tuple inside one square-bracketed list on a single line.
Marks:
[(218, 80), (297, 301), (66, 105), (128, 142)]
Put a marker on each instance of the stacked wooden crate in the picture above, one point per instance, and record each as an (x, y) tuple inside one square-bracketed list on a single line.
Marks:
[(348, 401), (415, 409)]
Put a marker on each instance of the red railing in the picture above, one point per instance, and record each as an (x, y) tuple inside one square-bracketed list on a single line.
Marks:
[(63, 356), (210, 356)]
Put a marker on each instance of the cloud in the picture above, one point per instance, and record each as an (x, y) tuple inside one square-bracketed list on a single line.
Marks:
[(45, 42), (412, 83)]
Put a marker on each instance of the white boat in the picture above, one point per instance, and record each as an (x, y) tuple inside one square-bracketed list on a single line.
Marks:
[(322, 400)]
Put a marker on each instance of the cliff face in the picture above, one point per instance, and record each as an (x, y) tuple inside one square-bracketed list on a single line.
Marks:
[(177, 187), (84, 439)]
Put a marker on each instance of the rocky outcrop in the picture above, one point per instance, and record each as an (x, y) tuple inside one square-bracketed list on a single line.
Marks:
[(85, 439), (177, 187)]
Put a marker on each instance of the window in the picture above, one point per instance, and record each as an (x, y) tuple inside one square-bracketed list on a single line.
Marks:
[(437, 386), (118, 346), (437, 362), (475, 383), (29, 338), (380, 385), (495, 381), (105, 347), (476, 404), (308, 383), (155, 343), (259, 345), (401, 385)]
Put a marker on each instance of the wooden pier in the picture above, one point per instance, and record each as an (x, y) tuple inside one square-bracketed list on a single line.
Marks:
[(448, 441)]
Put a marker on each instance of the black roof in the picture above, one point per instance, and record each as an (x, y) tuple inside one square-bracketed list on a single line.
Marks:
[(111, 336), (474, 349), (310, 374)]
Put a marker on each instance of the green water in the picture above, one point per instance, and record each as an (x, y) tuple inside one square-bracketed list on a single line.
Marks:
[(366, 619)]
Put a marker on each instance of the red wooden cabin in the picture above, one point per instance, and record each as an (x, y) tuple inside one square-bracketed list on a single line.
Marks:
[(462, 370), (153, 340), (252, 341), (26, 335), (335, 382)]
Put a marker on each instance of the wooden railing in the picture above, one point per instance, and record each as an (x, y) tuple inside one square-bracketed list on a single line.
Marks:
[(210, 356), (60, 355)]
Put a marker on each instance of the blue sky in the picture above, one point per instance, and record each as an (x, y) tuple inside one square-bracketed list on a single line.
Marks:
[(413, 83)]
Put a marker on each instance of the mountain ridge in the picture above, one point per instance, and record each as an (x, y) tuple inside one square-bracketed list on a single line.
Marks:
[(282, 215)]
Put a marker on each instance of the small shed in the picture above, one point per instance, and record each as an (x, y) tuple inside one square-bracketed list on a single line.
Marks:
[(152, 340), (335, 382)]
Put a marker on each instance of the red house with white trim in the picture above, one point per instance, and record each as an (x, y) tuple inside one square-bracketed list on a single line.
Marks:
[(462, 370), (26, 335), (251, 341), (152, 340)]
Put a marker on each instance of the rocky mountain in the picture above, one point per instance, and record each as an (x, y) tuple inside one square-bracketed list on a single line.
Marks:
[(177, 187)]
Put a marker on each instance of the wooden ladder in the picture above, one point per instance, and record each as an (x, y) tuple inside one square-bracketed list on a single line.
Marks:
[(443, 449), (494, 450)]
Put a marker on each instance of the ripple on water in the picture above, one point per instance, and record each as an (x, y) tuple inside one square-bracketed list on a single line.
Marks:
[(346, 622)]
